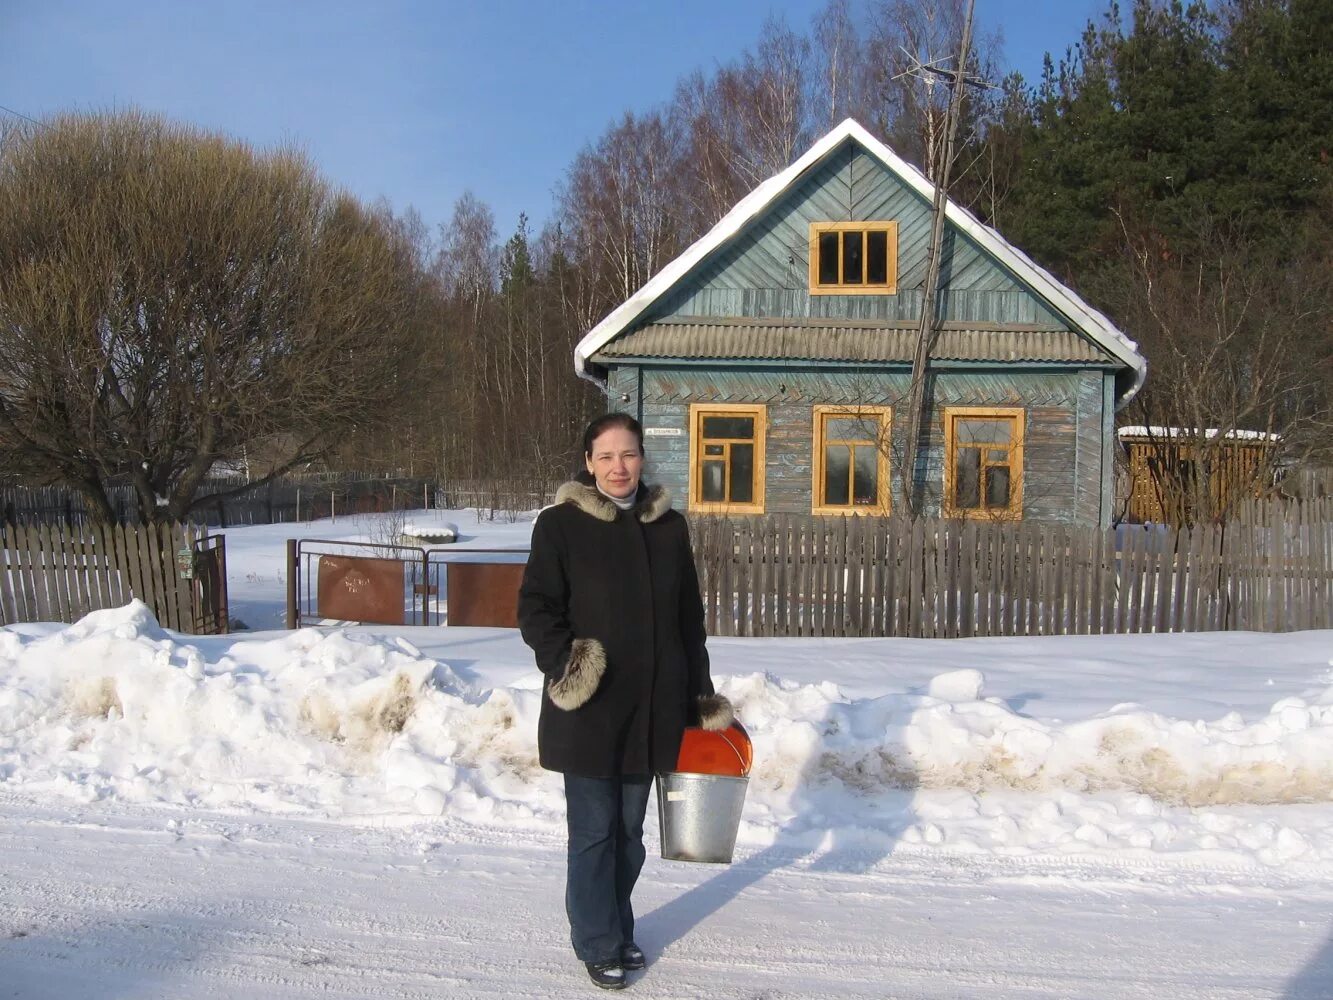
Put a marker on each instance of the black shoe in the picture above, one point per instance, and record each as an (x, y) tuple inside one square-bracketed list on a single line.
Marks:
[(609, 975), (632, 958)]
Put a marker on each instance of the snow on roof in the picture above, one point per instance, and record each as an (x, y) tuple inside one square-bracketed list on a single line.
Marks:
[(1091, 322), (1155, 431)]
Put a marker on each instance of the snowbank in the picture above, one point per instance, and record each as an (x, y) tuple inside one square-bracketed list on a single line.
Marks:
[(113, 706), (368, 728)]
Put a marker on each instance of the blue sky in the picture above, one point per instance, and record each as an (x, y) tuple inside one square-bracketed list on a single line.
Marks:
[(417, 101)]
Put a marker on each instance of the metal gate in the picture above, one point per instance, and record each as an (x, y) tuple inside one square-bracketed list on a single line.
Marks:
[(373, 583)]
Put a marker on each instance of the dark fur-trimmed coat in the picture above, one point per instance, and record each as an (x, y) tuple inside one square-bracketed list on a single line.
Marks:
[(610, 606)]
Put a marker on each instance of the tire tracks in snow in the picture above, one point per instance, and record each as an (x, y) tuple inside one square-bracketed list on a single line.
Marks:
[(158, 902)]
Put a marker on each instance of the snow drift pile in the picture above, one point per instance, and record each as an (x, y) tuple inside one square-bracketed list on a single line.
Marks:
[(356, 727)]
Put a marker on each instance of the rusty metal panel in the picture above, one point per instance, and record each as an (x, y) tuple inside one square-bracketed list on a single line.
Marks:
[(361, 589), (484, 593)]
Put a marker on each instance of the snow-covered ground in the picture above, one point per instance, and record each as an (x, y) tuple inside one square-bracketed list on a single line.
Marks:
[(359, 813)]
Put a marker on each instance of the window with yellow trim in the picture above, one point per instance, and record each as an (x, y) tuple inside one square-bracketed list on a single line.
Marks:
[(851, 463), (983, 467), (727, 457), (853, 258)]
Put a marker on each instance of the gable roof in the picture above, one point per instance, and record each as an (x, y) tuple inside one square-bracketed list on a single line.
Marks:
[(1084, 317)]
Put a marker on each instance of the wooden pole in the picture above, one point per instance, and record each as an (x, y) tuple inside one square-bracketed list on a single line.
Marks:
[(293, 590), (930, 319)]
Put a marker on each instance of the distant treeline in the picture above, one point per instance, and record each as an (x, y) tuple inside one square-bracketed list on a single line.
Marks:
[(274, 502), (1172, 164)]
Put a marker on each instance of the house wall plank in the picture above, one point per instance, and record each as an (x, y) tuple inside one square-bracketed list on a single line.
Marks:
[(1063, 450), (764, 271)]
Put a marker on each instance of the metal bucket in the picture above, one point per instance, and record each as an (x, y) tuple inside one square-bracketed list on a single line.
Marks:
[(698, 815)]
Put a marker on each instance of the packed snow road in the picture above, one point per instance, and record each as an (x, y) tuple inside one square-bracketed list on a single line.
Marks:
[(360, 813), (116, 901)]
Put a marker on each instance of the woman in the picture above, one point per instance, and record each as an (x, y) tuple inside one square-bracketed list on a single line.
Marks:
[(610, 606)]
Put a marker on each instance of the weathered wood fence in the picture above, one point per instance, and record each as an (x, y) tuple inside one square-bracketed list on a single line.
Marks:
[(58, 573), (275, 502), (794, 575), (497, 496)]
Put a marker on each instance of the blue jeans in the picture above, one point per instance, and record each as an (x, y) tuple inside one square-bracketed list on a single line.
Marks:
[(605, 857)]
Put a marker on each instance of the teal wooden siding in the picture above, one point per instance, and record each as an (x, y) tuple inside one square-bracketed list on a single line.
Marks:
[(1066, 464), (764, 271), (1108, 448)]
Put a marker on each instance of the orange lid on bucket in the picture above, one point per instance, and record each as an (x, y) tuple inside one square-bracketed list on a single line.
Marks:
[(722, 751)]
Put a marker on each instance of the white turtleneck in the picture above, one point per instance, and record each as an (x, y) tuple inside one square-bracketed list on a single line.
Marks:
[(624, 503)]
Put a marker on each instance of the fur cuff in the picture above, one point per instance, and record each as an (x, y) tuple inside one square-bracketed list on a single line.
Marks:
[(583, 673), (715, 712)]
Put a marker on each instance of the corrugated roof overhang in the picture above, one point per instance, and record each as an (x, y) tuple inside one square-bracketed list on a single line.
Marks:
[(803, 340)]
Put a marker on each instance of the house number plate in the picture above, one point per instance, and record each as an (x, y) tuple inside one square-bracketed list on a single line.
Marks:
[(663, 432)]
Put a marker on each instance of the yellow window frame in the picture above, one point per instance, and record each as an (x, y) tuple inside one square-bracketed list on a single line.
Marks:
[(889, 287), (1016, 414), (698, 411), (883, 428)]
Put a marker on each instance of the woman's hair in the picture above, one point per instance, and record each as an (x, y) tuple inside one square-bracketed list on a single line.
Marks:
[(605, 423)]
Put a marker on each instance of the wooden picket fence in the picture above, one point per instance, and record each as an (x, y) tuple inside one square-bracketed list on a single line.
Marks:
[(795, 575), (59, 573)]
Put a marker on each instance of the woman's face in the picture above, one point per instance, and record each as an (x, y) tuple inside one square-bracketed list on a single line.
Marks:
[(616, 462)]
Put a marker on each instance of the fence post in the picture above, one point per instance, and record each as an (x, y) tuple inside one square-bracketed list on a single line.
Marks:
[(293, 589), (425, 587), (224, 602)]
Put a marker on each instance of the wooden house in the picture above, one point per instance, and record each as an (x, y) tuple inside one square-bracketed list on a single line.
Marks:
[(770, 362), (1173, 472)]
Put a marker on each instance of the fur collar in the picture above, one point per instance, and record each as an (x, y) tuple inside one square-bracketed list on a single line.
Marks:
[(650, 503)]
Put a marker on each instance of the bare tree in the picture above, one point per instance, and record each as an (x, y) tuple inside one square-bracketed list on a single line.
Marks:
[(745, 123), (468, 259), (940, 176), (409, 444), (620, 200), (1238, 336), (909, 108), (168, 296), (840, 90)]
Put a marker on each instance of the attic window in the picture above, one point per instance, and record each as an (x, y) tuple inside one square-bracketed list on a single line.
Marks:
[(853, 258)]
